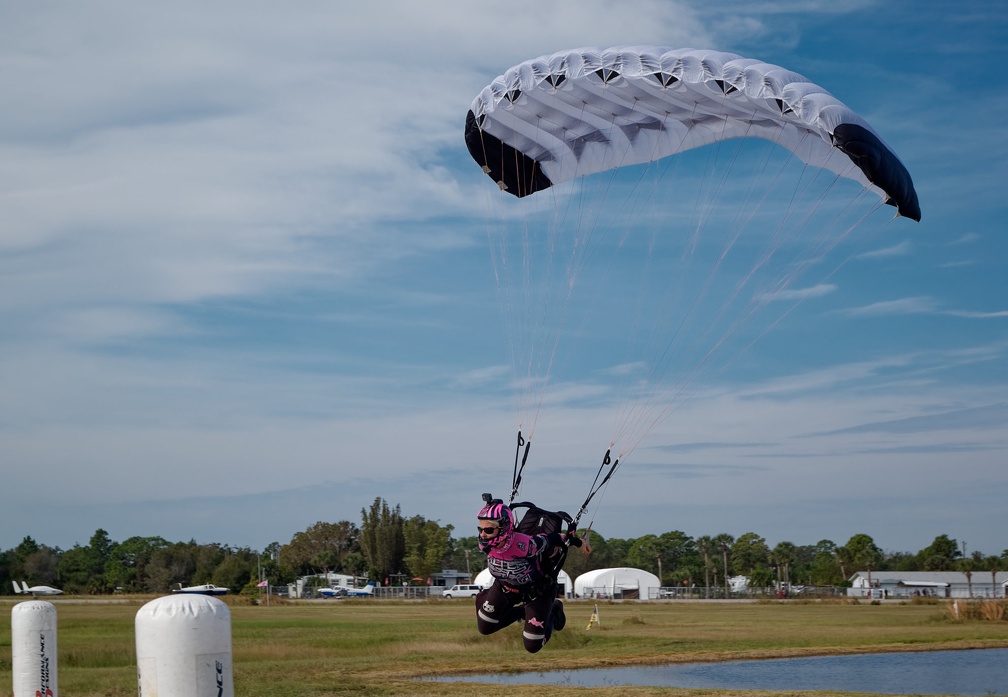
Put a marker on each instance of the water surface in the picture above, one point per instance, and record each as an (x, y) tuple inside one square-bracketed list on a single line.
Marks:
[(974, 673)]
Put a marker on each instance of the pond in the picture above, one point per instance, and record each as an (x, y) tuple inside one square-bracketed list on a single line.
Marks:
[(979, 673)]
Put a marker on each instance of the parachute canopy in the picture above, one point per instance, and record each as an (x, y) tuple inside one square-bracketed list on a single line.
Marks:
[(588, 110)]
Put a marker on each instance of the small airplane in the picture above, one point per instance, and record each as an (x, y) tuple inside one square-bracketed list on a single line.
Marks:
[(361, 592), (332, 592), (36, 590), (205, 589)]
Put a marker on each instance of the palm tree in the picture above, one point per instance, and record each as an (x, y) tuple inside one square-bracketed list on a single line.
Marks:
[(724, 542), (863, 551), (706, 545), (967, 566), (843, 558), (994, 564), (784, 555)]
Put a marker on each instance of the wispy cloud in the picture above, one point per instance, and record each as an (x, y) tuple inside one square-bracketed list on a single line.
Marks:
[(968, 238), (899, 250), (986, 417), (922, 305), (903, 306), (973, 314), (816, 291)]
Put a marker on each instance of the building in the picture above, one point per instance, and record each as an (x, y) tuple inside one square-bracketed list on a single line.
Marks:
[(621, 582), (937, 584)]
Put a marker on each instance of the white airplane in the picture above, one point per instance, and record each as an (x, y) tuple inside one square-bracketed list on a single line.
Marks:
[(360, 592), (36, 590), (205, 589)]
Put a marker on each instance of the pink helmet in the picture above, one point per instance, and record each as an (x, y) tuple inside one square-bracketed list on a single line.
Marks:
[(500, 514)]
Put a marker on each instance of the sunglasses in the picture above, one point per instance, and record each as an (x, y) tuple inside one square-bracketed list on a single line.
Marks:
[(488, 531)]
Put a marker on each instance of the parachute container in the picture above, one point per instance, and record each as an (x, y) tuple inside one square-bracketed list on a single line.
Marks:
[(33, 649), (183, 645)]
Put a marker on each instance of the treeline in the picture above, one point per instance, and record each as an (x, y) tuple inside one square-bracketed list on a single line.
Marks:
[(386, 546)]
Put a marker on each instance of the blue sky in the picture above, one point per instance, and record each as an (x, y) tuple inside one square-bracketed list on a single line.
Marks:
[(246, 282)]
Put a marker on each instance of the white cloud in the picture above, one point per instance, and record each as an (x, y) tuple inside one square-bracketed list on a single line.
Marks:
[(898, 250), (237, 265), (816, 291), (903, 306)]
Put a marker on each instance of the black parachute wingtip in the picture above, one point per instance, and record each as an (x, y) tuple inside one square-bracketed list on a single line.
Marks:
[(512, 170), (880, 165)]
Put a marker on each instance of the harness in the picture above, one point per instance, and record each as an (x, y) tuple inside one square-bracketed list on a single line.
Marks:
[(539, 521)]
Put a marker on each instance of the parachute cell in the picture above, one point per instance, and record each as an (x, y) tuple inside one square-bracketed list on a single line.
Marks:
[(588, 110)]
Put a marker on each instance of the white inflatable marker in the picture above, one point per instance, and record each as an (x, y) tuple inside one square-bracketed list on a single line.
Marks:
[(33, 649), (183, 645)]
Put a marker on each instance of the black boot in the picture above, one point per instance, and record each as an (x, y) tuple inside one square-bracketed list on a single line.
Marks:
[(559, 618)]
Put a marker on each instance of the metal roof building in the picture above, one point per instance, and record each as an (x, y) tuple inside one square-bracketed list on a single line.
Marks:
[(938, 584)]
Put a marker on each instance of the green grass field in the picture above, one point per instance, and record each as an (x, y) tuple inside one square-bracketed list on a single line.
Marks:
[(368, 647)]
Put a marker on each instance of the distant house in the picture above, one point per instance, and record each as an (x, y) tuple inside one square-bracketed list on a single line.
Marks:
[(449, 577), (937, 584)]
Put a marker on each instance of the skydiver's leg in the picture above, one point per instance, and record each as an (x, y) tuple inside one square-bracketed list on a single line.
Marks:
[(496, 609), (538, 622)]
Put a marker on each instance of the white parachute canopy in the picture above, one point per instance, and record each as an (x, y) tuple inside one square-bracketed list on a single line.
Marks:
[(588, 110)]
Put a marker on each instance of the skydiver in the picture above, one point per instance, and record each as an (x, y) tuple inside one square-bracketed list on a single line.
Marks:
[(523, 587)]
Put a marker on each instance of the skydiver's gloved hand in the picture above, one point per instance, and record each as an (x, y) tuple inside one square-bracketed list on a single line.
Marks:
[(555, 540), (486, 545)]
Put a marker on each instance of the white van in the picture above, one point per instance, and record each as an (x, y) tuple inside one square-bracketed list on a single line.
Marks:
[(467, 590)]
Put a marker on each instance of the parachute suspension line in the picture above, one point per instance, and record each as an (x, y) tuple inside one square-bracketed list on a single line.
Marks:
[(789, 225), (629, 408), (596, 485), (546, 327), (551, 314), (515, 262), (588, 222), (516, 477), (501, 263), (640, 411), (760, 298), (657, 408), (823, 243), (774, 244), (653, 408), (539, 336), (767, 329), (783, 284), (624, 403)]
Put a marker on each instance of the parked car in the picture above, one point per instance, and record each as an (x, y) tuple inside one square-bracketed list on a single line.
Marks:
[(465, 590)]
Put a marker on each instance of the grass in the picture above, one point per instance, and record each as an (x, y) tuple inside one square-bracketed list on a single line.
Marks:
[(368, 647)]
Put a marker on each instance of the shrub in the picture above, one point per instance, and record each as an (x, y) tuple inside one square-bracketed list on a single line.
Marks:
[(974, 610)]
